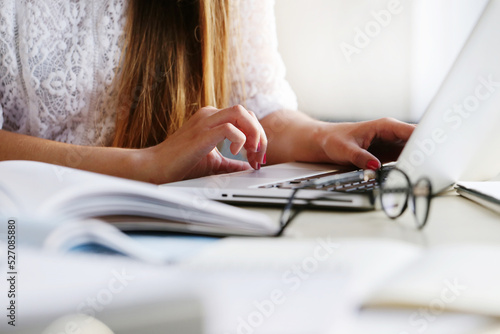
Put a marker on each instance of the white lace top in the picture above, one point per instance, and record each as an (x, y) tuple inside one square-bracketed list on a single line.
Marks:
[(58, 59)]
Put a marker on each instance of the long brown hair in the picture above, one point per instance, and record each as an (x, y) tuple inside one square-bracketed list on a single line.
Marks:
[(175, 61)]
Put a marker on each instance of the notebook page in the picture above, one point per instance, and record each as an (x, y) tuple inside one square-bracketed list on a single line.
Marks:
[(488, 188), (447, 278)]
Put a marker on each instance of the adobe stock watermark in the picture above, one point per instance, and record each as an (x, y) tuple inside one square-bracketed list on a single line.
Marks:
[(453, 118), (75, 156), (420, 320), (105, 296), (97, 303), (372, 29), (292, 279)]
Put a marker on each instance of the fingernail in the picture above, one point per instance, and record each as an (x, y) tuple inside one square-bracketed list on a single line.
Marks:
[(258, 148), (264, 161), (258, 166), (373, 165)]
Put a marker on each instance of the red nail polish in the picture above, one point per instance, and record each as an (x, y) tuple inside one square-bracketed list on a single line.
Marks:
[(258, 148), (265, 159), (373, 165), (258, 166)]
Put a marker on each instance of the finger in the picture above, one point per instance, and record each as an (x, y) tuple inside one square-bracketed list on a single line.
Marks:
[(230, 132), (389, 129), (216, 163), (207, 141), (231, 166), (260, 155), (243, 120), (362, 158), (204, 113), (253, 160)]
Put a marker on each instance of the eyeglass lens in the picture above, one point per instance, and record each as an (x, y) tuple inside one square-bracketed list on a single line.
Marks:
[(422, 193), (394, 193)]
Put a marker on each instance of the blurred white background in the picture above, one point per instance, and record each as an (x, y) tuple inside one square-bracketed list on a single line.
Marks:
[(395, 65)]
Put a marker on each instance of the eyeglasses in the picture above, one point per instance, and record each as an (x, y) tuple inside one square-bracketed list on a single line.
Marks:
[(396, 192), (392, 185)]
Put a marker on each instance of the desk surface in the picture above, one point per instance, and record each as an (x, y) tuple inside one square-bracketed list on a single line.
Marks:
[(452, 220), (235, 279)]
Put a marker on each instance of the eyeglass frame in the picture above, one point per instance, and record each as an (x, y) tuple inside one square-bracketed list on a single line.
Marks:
[(379, 174)]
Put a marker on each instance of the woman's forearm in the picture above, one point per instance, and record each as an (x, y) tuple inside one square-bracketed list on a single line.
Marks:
[(293, 136), (189, 152), (105, 160)]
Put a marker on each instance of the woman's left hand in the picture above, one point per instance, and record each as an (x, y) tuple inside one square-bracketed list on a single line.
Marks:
[(364, 144), (294, 136)]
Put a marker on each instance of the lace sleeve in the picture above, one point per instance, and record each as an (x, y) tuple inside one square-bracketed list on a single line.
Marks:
[(258, 76)]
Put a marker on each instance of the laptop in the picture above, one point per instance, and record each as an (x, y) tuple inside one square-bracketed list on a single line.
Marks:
[(457, 139)]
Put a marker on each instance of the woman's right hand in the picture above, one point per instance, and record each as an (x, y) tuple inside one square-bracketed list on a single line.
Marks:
[(191, 151)]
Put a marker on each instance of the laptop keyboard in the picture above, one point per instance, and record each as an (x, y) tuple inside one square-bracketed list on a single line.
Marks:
[(360, 186)]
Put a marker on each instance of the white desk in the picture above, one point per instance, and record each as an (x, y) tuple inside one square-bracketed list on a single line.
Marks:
[(452, 219), (322, 304), (233, 278)]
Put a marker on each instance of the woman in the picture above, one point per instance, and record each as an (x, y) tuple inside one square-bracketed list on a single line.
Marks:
[(147, 89)]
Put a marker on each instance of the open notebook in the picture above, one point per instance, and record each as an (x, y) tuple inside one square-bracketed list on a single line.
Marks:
[(485, 193), (39, 194)]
